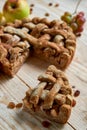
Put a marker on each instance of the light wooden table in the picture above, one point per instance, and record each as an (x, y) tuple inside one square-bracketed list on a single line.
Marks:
[(14, 89)]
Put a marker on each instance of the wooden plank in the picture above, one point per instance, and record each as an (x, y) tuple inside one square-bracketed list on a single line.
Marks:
[(10, 89), (31, 70), (19, 120), (77, 75)]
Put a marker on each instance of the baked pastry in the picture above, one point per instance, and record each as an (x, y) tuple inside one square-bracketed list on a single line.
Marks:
[(13, 52), (52, 98), (52, 41)]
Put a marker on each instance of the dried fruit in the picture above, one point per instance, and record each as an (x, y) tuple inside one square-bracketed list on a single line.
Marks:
[(56, 5), (47, 14), (31, 5), (19, 105), (11, 105), (73, 86), (77, 93), (73, 103), (50, 4), (46, 124)]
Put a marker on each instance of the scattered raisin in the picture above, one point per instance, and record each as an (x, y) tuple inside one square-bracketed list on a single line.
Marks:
[(73, 103), (50, 4), (47, 14), (76, 93), (46, 124), (79, 34), (31, 5), (31, 10), (19, 105), (11, 105), (56, 5), (73, 86)]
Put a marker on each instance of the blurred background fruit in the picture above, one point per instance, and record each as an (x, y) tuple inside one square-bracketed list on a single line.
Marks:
[(15, 9)]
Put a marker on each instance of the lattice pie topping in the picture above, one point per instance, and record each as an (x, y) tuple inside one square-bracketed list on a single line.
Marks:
[(52, 40), (52, 96)]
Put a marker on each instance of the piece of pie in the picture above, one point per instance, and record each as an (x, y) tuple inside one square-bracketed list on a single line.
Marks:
[(52, 41), (52, 98)]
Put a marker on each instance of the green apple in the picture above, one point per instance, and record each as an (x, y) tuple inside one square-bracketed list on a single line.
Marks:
[(15, 9), (2, 19)]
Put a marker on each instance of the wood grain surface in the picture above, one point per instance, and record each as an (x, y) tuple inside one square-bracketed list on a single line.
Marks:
[(14, 89)]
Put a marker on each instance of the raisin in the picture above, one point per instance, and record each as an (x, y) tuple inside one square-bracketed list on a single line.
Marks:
[(77, 93), (47, 14), (46, 124), (73, 103), (19, 105), (50, 4), (11, 105)]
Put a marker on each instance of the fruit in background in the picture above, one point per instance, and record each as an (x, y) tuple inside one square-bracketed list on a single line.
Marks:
[(15, 9), (76, 22), (67, 17), (2, 19)]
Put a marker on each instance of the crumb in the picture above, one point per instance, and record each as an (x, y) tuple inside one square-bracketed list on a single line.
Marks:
[(56, 5), (11, 105), (19, 105), (50, 4), (31, 5), (47, 14)]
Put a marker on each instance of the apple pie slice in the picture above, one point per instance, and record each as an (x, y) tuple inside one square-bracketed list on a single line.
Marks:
[(52, 98)]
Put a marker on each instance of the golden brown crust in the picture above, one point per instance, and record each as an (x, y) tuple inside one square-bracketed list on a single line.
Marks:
[(13, 53), (50, 100), (51, 41)]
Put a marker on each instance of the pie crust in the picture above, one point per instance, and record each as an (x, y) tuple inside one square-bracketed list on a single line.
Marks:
[(52, 41), (52, 98)]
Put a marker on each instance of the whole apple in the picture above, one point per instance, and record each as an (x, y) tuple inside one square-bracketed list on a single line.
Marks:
[(15, 9), (2, 19)]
